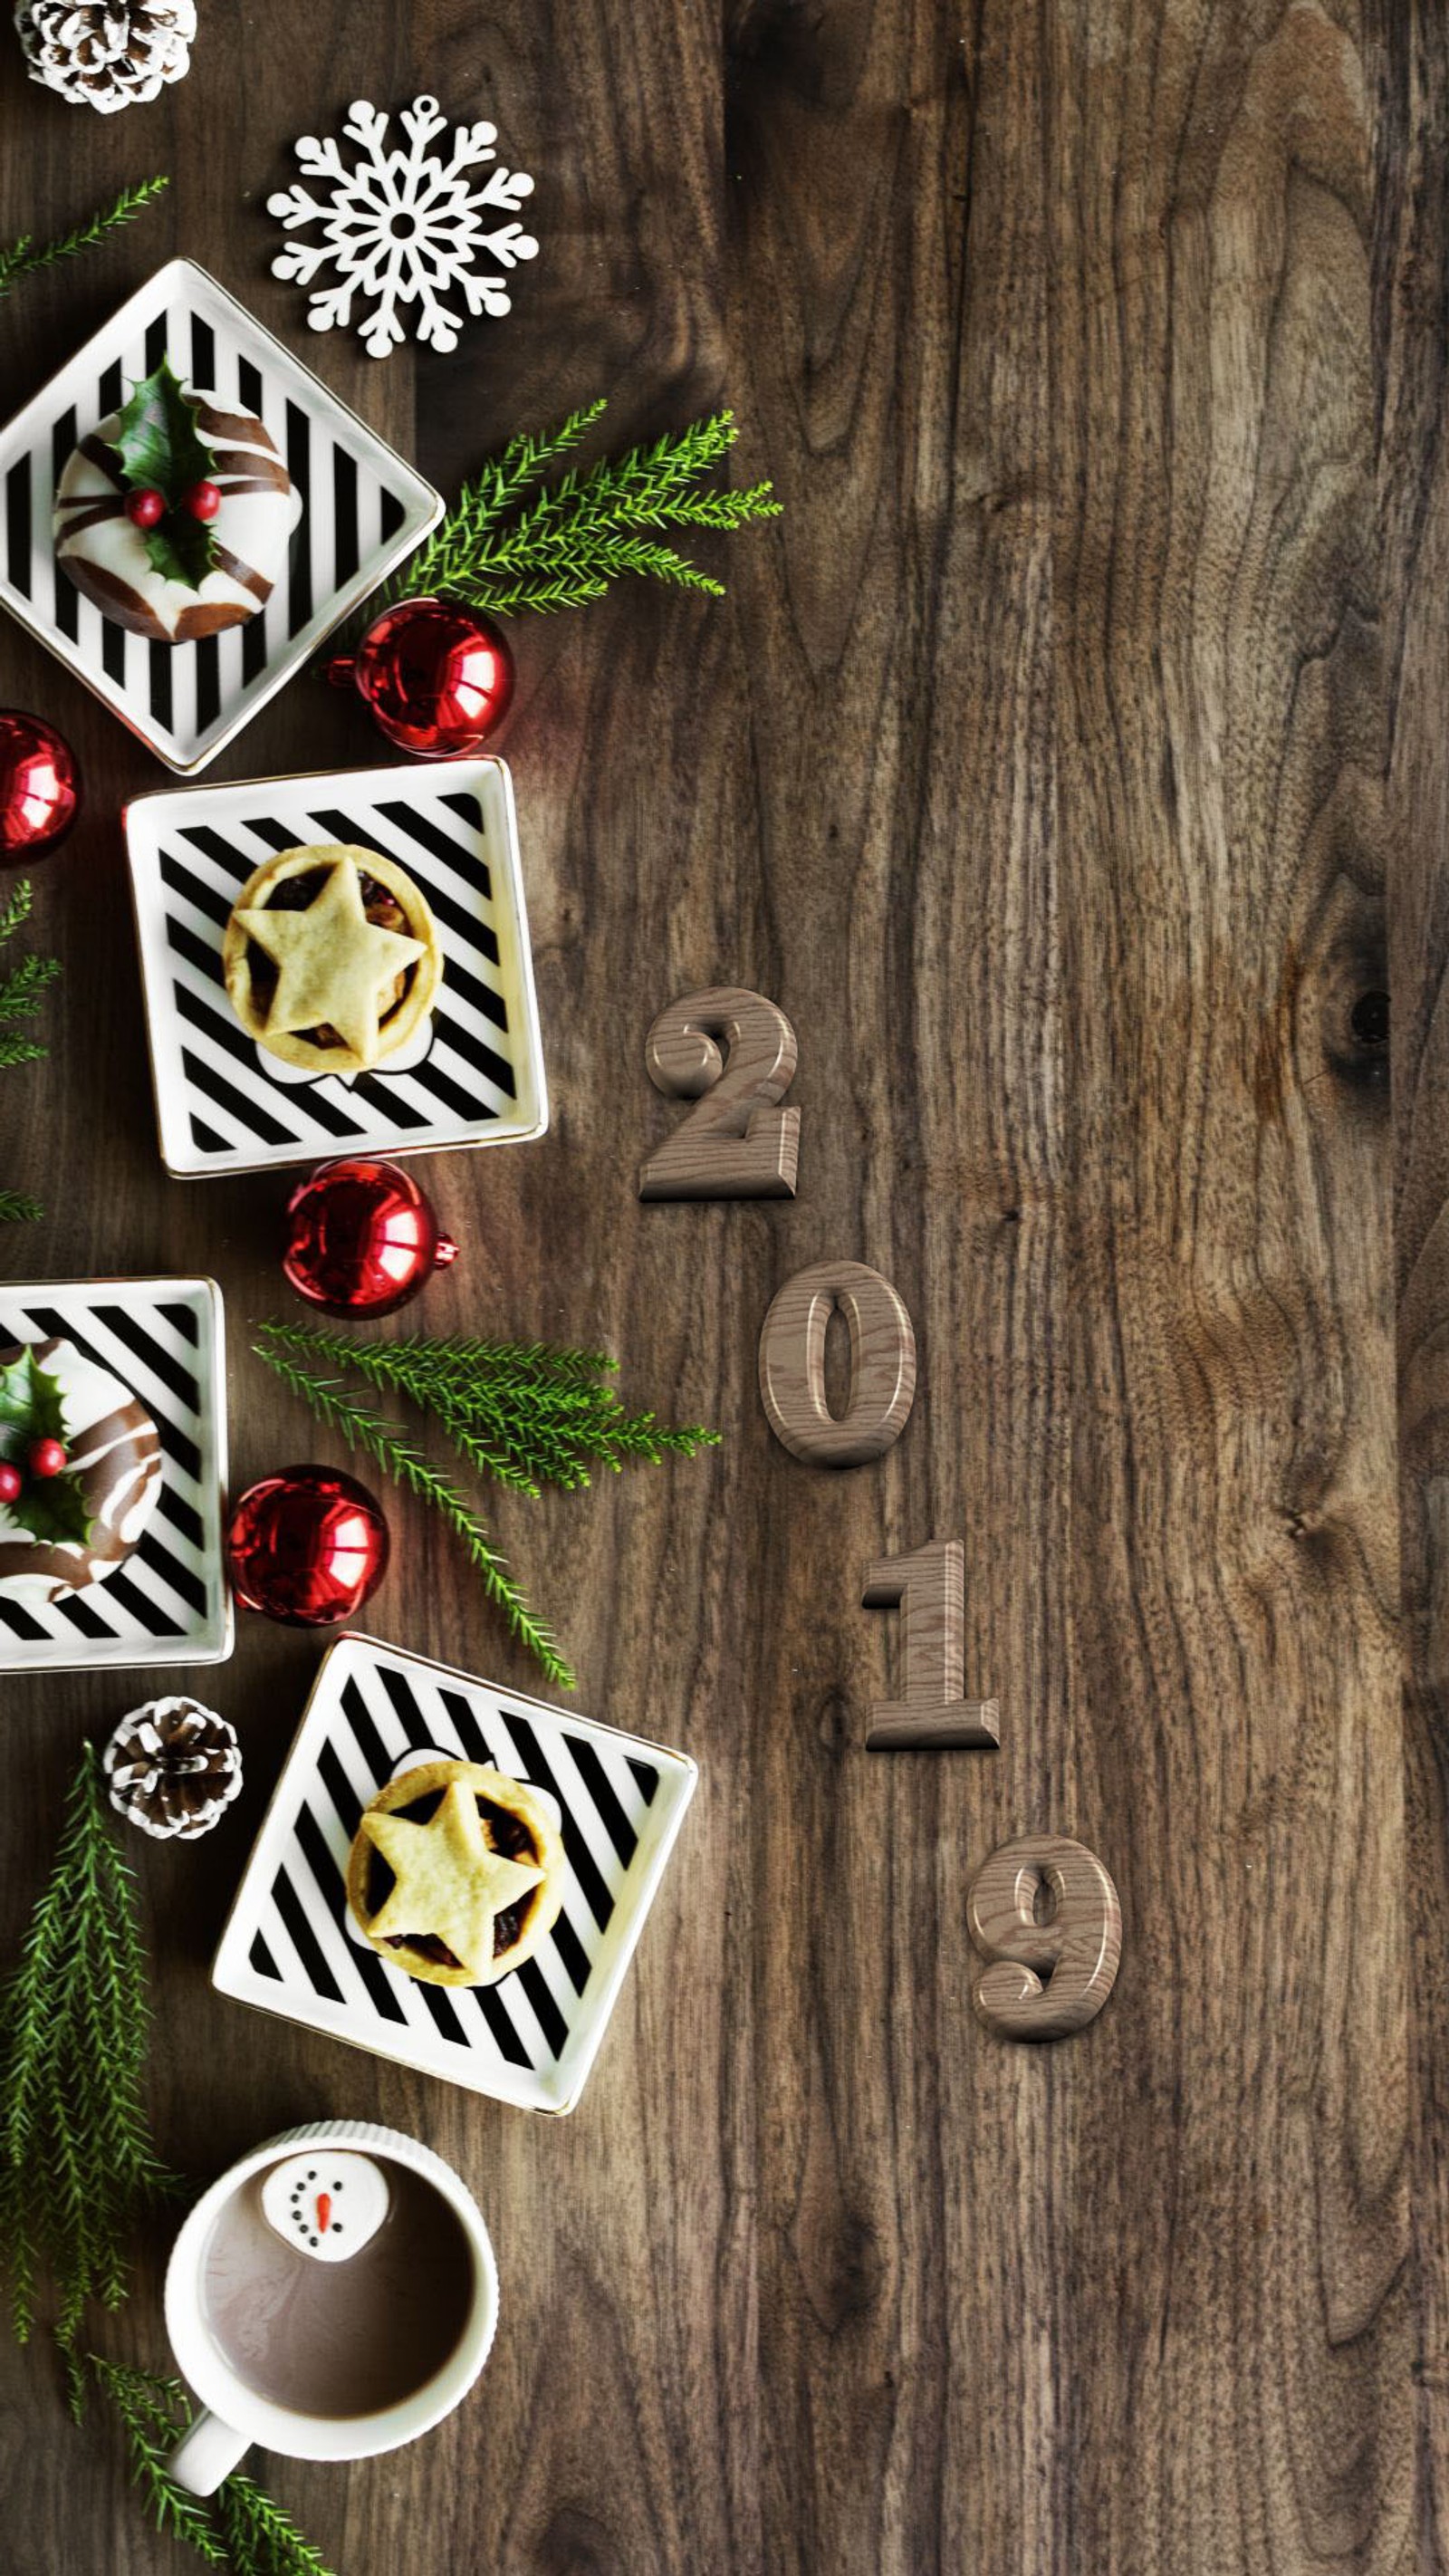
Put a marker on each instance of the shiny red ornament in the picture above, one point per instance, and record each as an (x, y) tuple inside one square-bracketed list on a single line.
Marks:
[(39, 786), (202, 501), (11, 1481), (146, 508), (438, 677), (361, 1238), (46, 1457), (308, 1547)]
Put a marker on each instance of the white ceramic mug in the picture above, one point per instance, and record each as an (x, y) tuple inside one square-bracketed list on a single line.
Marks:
[(234, 2415)]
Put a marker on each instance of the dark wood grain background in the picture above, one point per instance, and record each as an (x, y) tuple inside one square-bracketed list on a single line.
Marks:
[(1069, 763)]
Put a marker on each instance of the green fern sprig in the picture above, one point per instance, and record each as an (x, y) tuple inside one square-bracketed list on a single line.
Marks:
[(529, 1417), (262, 2540), (240, 2528), (24, 988), (21, 992), (74, 2020), (571, 541), (16, 908), (155, 2413), (24, 257), (391, 1449), (523, 1414)]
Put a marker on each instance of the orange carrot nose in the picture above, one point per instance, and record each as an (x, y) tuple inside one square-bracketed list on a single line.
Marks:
[(324, 2211)]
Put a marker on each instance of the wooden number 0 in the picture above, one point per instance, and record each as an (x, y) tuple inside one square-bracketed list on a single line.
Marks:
[(739, 1143), (882, 1364), (929, 1586), (1076, 1948)]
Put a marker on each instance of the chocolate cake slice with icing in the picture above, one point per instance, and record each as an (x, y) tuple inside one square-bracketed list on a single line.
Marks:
[(66, 1529), (150, 577)]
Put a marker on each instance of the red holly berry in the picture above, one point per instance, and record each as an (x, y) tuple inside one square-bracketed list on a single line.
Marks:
[(46, 1457), (202, 501), (9, 1482), (146, 507)]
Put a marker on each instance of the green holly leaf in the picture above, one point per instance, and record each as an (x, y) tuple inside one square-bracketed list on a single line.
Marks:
[(158, 442), (53, 1508), (32, 1405), (181, 548), (161, 449)]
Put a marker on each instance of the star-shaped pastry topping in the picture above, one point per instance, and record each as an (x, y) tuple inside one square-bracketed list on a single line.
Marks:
[(334, 966), (450, 1881)]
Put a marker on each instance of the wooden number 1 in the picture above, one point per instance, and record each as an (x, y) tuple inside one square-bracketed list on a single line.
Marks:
[(1044, 1909), (929, 1586), (882, 1364), (739, 1143)]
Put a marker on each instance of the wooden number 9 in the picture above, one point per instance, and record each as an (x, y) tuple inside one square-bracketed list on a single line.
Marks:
[(882, 1364), (738, 1144), (1076, 1949)]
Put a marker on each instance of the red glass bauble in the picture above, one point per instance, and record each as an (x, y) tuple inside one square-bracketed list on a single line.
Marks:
[(308, 1546), (39, 786), (438, 678), (361, 1238)]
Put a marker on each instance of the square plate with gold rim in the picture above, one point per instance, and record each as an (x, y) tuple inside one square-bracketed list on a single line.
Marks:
[(169, 1603), (363, 511), (291, 1947), (472, 1075)]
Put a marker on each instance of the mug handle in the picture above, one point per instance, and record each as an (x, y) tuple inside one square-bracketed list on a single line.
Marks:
[(207, 2452)]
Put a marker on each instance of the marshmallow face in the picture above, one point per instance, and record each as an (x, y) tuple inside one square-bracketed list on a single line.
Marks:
[(328, 2204)]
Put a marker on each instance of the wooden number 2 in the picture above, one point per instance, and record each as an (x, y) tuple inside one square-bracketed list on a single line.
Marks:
[(738, 1144), (929, 1586), (1076, 1948), (882, 1364)]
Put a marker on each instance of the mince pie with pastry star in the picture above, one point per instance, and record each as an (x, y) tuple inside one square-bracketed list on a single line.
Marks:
[(456, 1873), (331, 958)]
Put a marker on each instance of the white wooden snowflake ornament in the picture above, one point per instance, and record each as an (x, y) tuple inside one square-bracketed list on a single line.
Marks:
[(405, 228)]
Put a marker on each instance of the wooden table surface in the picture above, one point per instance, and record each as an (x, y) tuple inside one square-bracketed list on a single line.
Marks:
[(1069, 763)]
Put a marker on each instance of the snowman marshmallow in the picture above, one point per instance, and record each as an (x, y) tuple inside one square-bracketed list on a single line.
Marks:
[(327, 2203)]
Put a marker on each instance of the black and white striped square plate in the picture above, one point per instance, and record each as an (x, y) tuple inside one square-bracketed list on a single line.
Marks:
[(170, 1602), (473, 1075), (291, 1948), (363, 511)]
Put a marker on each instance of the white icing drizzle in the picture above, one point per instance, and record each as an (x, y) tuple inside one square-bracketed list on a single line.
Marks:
[(254, 527)]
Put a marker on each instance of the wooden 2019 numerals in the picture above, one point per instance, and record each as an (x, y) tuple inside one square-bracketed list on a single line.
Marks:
[(1042, 1910)]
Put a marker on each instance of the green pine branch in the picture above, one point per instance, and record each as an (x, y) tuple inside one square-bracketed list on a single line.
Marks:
[(22, 990), (24, 257), (240, 2527), (16, 909), (508, 546), (155, 2413), (21, 993), (391, 1449), (524, 1415), (74, 2024)]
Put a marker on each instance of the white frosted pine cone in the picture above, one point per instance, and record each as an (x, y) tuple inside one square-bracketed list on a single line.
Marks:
[(173, 1767), (107, 54)]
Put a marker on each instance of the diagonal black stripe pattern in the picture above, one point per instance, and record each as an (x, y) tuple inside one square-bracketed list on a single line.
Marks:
[(214, 1087), (324, 1869), (179, 1380), (304, 1940), (581, 1860)]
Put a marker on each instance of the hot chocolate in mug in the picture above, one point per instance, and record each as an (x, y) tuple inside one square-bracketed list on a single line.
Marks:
[(333, 2295)]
